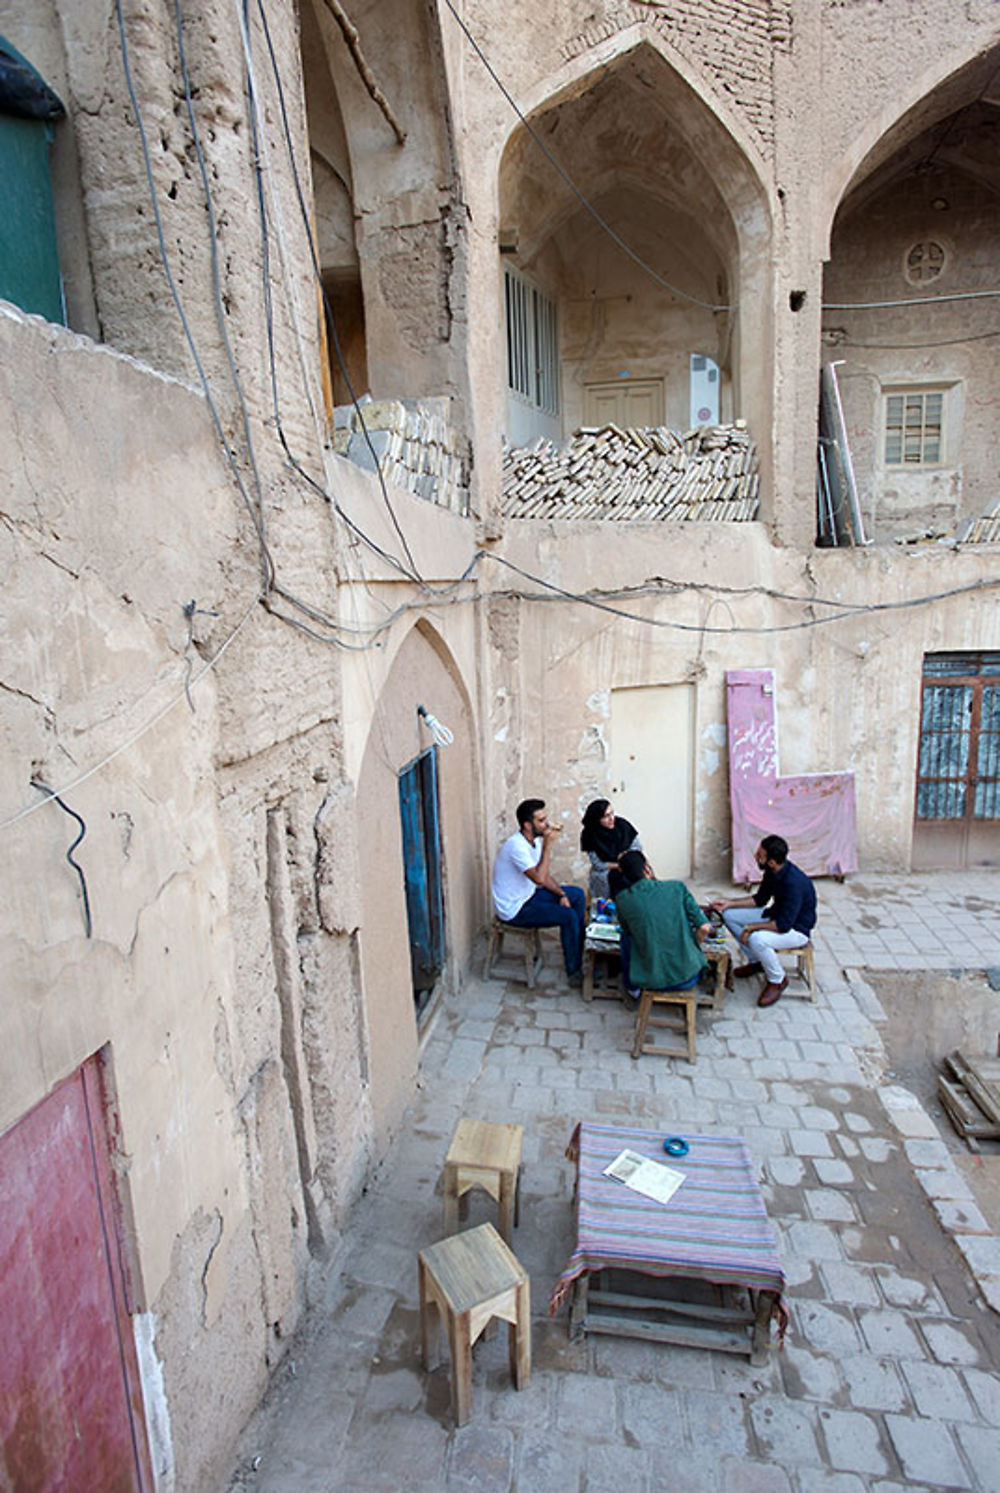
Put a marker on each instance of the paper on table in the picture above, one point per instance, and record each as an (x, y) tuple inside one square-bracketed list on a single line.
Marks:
[(650, 1178)]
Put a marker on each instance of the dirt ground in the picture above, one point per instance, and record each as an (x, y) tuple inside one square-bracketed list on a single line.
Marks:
[(928, 1016)]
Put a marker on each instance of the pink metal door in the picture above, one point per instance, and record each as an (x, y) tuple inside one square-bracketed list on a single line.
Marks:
[(70, 1408)]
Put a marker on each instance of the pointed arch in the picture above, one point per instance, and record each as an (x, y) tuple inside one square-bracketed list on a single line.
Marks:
[(650, 145), (911, 250), (946, 85), (422, 671), (576, 76)]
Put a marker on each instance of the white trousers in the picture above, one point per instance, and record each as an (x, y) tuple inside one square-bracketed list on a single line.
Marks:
[(761, 945)]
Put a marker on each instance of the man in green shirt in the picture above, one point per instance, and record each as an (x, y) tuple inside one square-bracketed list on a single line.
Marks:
[(662, 928)]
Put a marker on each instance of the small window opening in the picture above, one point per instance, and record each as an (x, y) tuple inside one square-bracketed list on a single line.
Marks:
[(914, 428), (924, 262)]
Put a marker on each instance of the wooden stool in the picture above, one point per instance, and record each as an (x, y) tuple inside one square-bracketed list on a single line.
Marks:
[(485, 1155), (531, 940), (805, 968), (676, 1021), (468, 1280)]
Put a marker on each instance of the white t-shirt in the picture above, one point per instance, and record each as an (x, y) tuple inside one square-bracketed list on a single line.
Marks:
[(511, 888)]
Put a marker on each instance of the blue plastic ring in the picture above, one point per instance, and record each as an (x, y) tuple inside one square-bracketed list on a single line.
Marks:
[(675, 1145)]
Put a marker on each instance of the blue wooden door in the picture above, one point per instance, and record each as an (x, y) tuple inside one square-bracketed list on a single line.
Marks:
[(421, 823)]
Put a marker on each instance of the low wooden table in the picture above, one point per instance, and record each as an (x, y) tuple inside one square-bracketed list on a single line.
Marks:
[(701, 1270), (716, 954), (592, 947), (487, 1155)]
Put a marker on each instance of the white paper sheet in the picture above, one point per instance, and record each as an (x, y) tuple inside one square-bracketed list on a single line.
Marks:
[(650, 1178)]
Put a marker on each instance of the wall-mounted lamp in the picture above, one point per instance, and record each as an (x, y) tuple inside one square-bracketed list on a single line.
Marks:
[(440, 735)]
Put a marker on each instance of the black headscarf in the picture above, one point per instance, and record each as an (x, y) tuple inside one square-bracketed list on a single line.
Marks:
[(607, 844)]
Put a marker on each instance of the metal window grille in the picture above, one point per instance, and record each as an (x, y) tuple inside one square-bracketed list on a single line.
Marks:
[(958, 762), (532, 343), (913, 428)]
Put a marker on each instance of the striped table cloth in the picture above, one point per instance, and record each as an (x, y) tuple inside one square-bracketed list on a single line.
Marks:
[(715, 1227)]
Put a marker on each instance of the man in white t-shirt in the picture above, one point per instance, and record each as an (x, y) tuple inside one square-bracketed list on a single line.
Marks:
[(526, 894)]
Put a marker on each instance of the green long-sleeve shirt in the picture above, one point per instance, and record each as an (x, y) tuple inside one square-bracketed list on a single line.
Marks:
[(662, 919)]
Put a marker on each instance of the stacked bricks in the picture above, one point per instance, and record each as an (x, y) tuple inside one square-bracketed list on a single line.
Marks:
[(649, 475), (410, 441)]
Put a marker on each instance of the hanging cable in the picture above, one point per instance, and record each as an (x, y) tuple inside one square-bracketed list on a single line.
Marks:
[(585, 202), (922, 300), (154, 720), (267, 573), (317, 272), (846, 341), (220, 310), (54, 796)]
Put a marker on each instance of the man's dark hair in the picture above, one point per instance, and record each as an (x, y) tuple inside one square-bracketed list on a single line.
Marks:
[(527, 809), (633, 866), (775, 848)]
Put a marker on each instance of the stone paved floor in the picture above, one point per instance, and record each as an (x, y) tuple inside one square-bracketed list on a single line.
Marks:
[(888, 1378)]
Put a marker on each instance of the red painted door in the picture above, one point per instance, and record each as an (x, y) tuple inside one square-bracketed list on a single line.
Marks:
[(70, 1413)]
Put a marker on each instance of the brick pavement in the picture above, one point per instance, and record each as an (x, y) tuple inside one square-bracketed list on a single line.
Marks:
[(889, 1375)]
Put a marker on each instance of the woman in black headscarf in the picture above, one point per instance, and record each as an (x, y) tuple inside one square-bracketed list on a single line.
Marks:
[(605, 837)]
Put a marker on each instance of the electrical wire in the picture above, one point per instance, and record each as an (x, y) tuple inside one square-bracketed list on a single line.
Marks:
[(333, 631), (54, 796), (328, 310), (259, 144), (925, 300), (596, 600), (848, 341), (154, 720), (268, 568), (864, 609), (601, 600), (584, 201), (255, 518)]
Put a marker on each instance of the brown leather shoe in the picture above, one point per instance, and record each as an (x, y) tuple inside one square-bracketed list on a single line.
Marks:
[(743, 970), (771, 993)]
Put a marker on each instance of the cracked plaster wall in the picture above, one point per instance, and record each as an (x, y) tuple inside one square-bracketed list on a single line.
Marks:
[(117, 510), (848, 694), (112, 468)]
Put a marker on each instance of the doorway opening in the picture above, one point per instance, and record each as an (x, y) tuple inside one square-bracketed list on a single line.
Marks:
[(420, 815), (652, 770)]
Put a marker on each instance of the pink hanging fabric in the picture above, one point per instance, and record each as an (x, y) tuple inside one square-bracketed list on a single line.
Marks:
[(815, 813)]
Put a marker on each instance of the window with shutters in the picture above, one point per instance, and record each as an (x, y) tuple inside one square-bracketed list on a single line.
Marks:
[(914, 427), (532, 343)]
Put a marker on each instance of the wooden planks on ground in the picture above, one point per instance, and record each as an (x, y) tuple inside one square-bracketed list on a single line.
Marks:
[(969, 1090)]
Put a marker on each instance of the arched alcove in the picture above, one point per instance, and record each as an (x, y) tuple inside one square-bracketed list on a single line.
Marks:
[(423, 672), (334, 213), (651, 155), (400, 291), (913, 244)]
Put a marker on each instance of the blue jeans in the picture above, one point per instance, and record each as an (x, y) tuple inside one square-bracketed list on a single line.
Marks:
[(544, 910)]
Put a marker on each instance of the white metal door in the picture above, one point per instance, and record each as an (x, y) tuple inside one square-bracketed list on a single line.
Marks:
[(652, 741)]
